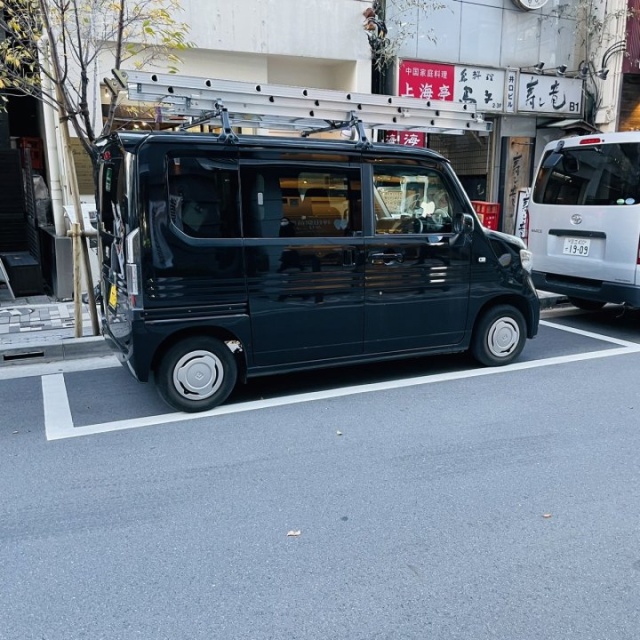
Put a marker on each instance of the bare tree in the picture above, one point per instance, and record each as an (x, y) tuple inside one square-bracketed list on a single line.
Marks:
[(390, 23), (51, 49)]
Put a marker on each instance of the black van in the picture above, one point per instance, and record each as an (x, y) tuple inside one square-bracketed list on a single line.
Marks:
[(224, 259)]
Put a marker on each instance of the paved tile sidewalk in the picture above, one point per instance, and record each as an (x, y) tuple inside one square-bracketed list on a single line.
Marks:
[(23, 317), (46, 327)]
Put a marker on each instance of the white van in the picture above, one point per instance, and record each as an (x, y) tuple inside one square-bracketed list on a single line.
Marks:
[(584, 219)]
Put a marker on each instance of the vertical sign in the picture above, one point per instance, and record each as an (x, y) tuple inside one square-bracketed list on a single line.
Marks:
[(521, 213), (510, 86), (518, 168)]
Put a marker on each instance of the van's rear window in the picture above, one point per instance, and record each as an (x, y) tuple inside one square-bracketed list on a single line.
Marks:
[(597, 175)]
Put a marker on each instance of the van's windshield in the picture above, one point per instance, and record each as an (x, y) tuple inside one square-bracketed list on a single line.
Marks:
[(597, 175)]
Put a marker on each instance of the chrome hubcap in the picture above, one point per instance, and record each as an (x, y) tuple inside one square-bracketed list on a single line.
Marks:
[(198, 375), (503, 337)]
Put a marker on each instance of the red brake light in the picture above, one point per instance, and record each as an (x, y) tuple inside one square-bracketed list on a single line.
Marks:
[(591, 141)]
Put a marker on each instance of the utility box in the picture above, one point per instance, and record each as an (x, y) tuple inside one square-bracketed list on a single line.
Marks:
[(24, 273)]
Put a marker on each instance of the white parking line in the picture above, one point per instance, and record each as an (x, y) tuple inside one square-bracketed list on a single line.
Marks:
[(590, 334), (59, 422)]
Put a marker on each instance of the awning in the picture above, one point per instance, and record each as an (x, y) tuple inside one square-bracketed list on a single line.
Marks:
[(576, 123)]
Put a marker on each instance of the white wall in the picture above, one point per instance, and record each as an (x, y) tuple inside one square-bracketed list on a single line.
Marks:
[(492, 33), (295, 42), (326, 29)]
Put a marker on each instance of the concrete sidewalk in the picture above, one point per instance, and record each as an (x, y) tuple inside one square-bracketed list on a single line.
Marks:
[(41, 329)]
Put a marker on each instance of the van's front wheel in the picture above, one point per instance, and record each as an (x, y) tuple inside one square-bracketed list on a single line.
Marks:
[(197, 374), (499, 336)]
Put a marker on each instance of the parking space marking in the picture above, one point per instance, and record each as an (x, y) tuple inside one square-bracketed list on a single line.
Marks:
[(590, 334), (59, 422)]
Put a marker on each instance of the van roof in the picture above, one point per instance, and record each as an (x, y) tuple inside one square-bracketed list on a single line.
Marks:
[(131, 140)]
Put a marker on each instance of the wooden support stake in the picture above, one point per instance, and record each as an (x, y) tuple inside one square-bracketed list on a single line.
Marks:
[(76, 236)]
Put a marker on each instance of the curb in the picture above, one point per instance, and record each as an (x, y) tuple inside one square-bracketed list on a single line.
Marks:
[(50, 351)]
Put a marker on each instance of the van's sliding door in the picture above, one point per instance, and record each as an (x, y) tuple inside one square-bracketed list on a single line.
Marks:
[(304, 254)]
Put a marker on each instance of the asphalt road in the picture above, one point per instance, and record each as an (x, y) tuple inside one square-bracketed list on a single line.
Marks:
[(433, 499)]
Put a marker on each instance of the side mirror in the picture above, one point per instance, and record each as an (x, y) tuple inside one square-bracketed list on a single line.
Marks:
[(462, 222)]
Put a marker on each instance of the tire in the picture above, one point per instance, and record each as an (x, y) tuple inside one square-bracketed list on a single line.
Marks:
[(197, 374), (499, 336), (586, 305)]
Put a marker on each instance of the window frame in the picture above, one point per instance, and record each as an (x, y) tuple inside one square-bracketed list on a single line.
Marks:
[(219, 165), (412, 169), (249, 168)]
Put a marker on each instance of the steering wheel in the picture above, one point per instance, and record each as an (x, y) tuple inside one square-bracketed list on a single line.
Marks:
[(413, 225)]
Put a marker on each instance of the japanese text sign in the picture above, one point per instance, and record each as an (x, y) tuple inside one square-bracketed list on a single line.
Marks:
[(453, 83), (426, 80), (549, 94), (407, 138), (483, 87)]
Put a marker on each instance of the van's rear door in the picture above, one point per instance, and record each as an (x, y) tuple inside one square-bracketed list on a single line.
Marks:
[(585, 212), (114, 220)]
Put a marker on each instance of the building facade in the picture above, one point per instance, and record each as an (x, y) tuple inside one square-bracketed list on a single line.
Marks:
[(532, 66), (519, 61)]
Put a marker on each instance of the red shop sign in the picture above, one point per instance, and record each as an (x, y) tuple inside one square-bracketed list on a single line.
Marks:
[(426, 80), (408, 138)]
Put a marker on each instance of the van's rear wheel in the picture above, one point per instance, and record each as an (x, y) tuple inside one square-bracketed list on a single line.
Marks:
[(586, 305), (499, 336), (197, 374)]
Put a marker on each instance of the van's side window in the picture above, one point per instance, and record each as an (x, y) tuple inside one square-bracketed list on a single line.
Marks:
[(408, 200), (203, 197), (300, 201)]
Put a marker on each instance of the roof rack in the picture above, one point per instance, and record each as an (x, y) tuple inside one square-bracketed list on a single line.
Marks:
[(307, 110)]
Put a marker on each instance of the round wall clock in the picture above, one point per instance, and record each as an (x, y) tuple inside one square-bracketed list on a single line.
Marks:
[(529, 5)]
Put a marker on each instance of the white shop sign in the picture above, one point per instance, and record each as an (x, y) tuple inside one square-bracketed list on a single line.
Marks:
[(484, 87), (549, 94)]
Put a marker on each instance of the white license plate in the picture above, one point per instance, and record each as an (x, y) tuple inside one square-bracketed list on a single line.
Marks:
[(576, 246)]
